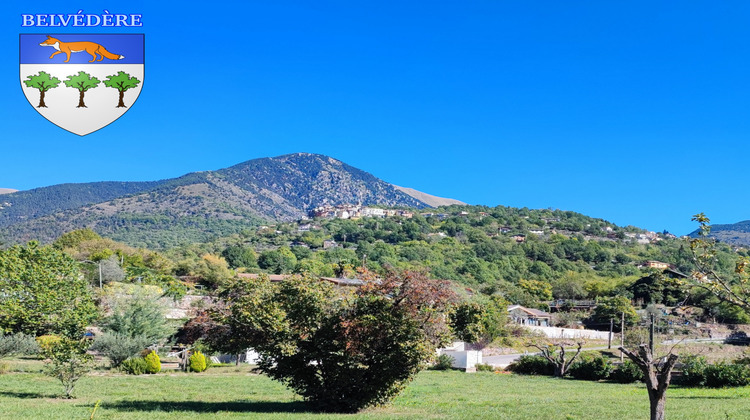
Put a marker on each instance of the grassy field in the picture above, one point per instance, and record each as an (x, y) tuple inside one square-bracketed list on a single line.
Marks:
[(237, 393)]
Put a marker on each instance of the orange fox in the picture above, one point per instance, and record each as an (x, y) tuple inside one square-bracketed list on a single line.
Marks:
[(69, 47)]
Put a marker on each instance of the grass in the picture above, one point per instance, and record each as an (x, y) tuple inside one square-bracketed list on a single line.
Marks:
[(233, 393)]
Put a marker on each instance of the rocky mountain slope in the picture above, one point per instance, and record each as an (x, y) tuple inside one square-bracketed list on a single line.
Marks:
[(196, 206)]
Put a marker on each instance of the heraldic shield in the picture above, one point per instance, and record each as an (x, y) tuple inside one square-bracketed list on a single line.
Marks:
[(82, 82)]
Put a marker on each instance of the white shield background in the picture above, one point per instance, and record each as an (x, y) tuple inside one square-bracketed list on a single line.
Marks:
[(101, 101)]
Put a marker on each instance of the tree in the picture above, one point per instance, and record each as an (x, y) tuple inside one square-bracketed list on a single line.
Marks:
[(122, 82), (136, 313), (657, 373), (43, 82), (42, 292), (734, 289), (341, 353), (240, 256), (83, 82), (608, 308), (548, 350), (480, 321), (68, 361)]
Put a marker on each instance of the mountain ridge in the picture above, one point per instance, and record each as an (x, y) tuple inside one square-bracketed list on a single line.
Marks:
[(197, 205)]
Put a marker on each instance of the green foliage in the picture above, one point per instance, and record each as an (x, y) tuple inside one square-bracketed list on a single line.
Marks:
[(482, 367), (693, 371), (67, 361), (443, 362), (532, 365), (18, 344), (41, 292), (136, 313), (590, 366), (626, 373), (46, 342), (722, 374), (134, 366), (74, 238), (612, 308), (82, 81), (481, 320), (42, 82), (121, 81), (198, 362), (339, 354), (280, 261), (240, 256), (119, 347), (153, 364)]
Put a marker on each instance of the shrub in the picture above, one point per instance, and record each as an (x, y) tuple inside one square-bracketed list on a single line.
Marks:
[(68, 361), (46, 342), (18, 343), (443, 362), (532, 365), (4, 367), (727, 374), (134, 366), (485, 368), (693, 371), (119, 347), (339, 354), (153, 364), (626, 373), (198, 362), (590, 367)]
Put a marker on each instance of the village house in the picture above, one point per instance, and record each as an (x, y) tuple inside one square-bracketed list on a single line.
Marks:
[(529, 316)]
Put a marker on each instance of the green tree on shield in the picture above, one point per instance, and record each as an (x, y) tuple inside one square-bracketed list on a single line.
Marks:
[(83, 82), (122, 82), (43, 82)]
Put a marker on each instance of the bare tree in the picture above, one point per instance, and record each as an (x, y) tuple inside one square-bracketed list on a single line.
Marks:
[(657, 374), (549, 351)]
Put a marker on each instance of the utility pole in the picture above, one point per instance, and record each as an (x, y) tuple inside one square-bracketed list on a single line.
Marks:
[(651, 336), (622, 335)]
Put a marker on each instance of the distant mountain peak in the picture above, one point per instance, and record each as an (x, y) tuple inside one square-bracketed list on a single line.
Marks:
[(200, 205), (7, 190)]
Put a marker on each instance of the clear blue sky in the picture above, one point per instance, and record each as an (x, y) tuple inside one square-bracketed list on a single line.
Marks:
[(635, 112)]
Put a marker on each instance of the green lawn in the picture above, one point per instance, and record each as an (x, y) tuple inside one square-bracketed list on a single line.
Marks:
[(227, 393)]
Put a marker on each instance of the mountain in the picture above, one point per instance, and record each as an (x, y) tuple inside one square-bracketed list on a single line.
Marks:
[(428, 199), (734, 234), (7, 191), (199, 205)]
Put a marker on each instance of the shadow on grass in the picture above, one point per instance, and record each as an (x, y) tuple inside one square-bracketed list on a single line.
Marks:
[(706, 397), (211, 407), (26, 394)]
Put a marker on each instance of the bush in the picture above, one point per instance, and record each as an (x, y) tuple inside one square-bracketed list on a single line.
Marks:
[(4, 367), (153, 364), (485, 368), (198, 362), (46, 342), (693, 371), (590, 367), (19, 343), (727, 374), (119, 347), (443, 362), (532, 365), (68, 361), (134, 366), (339, 354), (626, 373)]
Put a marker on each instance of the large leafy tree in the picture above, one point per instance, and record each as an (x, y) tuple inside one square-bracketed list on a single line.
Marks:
[(122, 82), (732, 288), (42, 82), (42, 292), (83, 82), (340, 352)]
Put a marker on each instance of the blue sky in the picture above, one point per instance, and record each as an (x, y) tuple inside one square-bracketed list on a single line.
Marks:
[(635, 112)]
